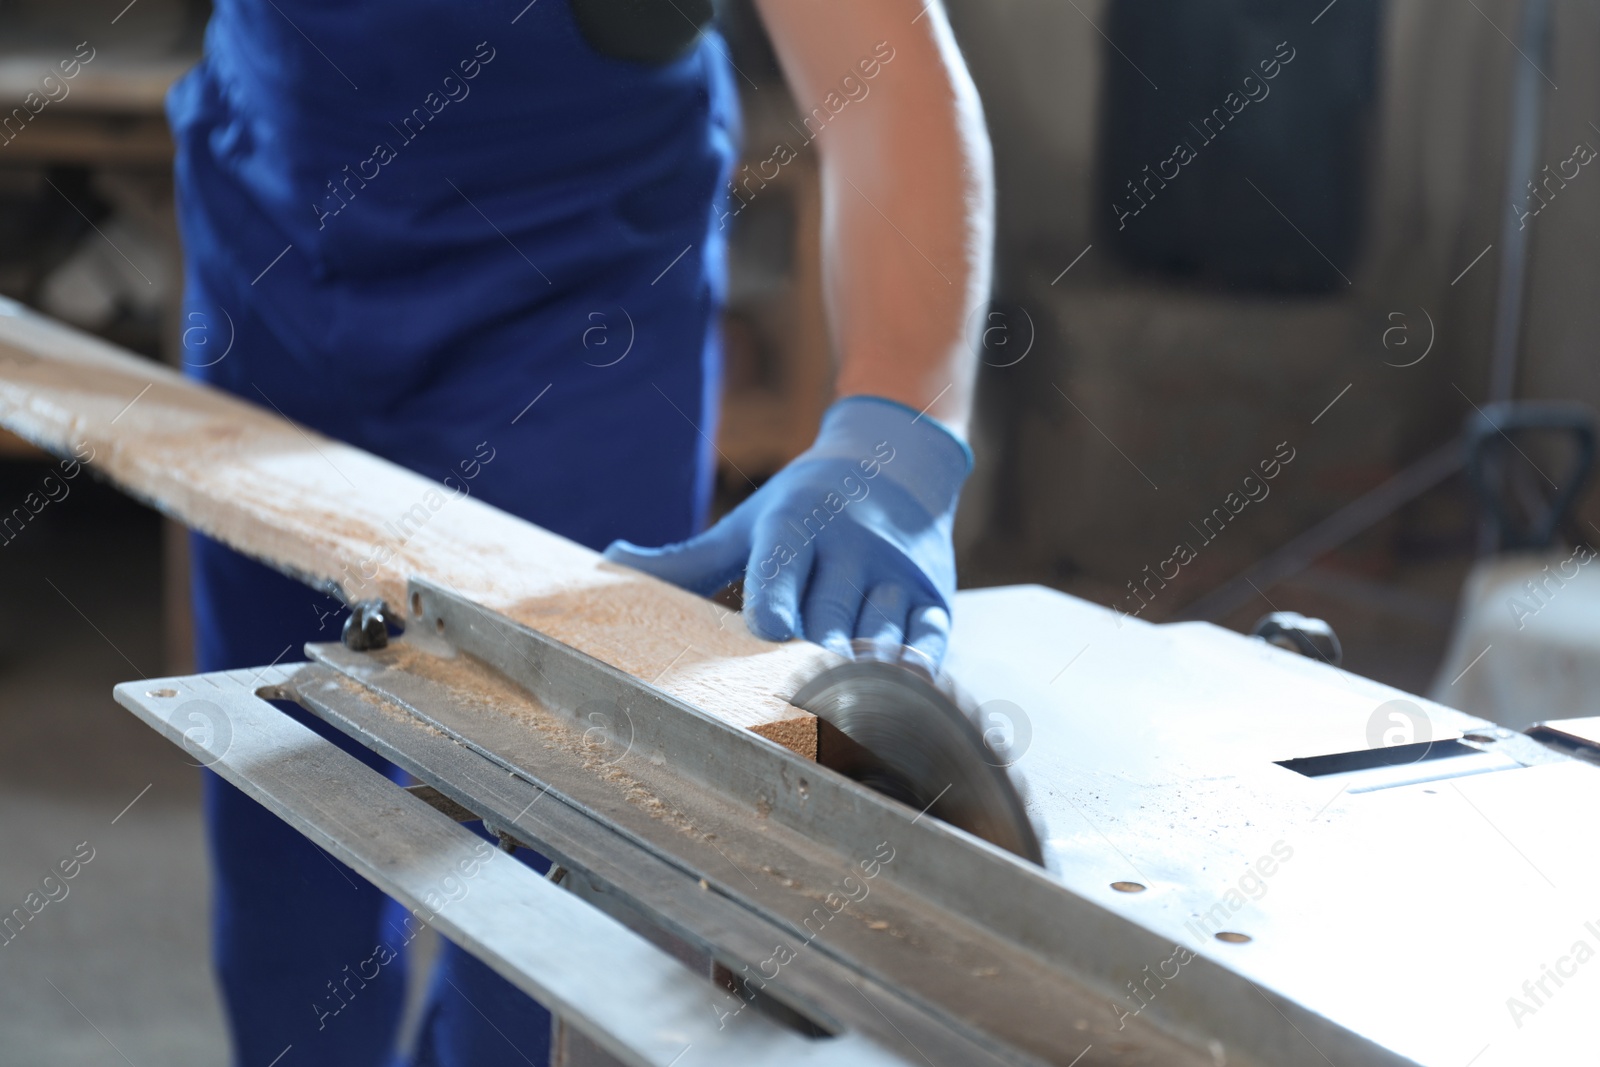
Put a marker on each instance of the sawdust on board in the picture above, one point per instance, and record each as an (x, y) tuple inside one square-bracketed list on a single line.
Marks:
[(475, 684), (692, 648), (389, 709), (278, 492)]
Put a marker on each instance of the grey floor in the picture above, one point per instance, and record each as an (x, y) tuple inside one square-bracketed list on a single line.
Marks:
[(115, 971)]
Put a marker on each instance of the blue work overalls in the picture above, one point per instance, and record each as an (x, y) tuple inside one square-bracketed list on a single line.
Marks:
[(456, 236)]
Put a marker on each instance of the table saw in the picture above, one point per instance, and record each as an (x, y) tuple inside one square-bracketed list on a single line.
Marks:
[(1243, 863), (1249, 857)]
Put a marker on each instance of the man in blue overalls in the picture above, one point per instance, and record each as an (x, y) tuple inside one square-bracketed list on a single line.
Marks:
[(411, 212)]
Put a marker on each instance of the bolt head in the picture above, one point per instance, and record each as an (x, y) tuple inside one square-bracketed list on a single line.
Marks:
[(366, 629)]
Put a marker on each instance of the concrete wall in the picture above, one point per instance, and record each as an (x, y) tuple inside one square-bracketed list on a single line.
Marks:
[(1194, 386)]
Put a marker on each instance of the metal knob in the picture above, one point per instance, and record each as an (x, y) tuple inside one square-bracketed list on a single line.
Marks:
[(367, 627), (1302, 634)]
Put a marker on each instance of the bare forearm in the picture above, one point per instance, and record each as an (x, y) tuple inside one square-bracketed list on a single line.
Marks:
[(907, 186)]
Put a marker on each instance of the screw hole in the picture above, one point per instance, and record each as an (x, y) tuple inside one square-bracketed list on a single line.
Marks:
[(416, 604), (1128, 887), (1233, 938), (161, 693), (438, 624)]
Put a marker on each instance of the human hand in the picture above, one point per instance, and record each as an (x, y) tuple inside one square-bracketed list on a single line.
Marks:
[(852, 540)]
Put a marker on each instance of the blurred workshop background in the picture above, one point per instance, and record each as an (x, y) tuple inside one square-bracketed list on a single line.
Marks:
[(1265, 349)]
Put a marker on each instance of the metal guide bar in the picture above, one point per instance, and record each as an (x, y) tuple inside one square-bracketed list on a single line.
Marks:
[(1041, 951), (775, 812), (632, 998), (811, 983), (918, 950)]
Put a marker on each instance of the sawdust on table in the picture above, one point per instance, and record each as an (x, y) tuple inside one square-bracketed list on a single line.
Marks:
[(478, 686)]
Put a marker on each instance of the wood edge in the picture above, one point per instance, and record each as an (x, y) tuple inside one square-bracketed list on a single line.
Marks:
[(797, 734)]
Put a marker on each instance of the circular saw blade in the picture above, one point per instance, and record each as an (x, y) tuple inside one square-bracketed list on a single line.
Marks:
[(913, 736)]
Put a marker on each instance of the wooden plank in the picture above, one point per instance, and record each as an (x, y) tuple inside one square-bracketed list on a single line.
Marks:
[(14, 447), (325, 512)]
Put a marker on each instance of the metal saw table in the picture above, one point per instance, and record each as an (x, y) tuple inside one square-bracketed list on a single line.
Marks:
[(1252, 858)]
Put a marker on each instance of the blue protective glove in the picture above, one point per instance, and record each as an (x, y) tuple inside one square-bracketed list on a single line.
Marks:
[(851, 540)]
